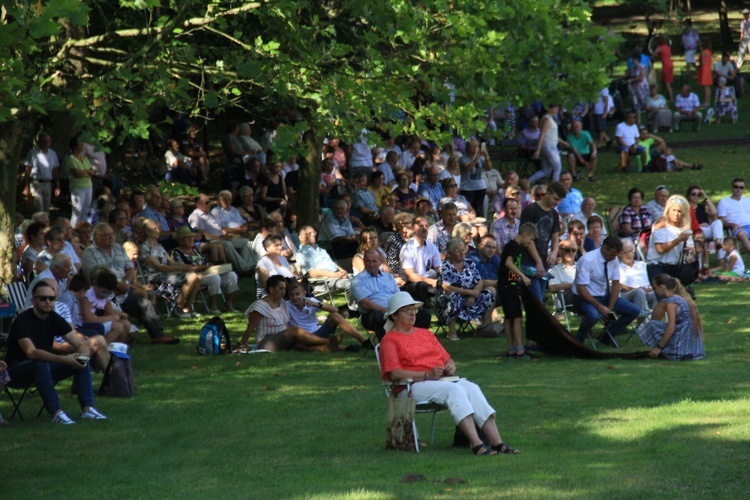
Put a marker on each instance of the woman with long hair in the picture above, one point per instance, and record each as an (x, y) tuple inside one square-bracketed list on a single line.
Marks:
[(680, 337), (368, 239), (670, 238)]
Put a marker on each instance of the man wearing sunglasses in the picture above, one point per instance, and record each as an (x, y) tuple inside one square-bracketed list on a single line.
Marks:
[(31, 360), (734, 212)]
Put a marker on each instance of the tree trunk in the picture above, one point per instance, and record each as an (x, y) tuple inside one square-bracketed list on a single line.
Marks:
[(11, 141), (726, 34), (308, 205)]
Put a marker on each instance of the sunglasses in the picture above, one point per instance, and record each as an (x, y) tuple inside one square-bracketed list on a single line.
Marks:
[(695, 193), (738, 187), (569, 250), (45, 298)]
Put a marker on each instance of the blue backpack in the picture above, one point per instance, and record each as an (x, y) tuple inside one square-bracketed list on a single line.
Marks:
[(214, 338)]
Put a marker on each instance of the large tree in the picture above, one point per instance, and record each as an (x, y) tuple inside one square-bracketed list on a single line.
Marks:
[(334, 67)]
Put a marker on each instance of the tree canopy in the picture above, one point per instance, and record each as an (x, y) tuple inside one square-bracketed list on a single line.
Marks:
[(332, 66)]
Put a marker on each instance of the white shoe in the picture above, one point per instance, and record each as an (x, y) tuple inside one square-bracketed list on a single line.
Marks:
[(92, 414), (62, 418)]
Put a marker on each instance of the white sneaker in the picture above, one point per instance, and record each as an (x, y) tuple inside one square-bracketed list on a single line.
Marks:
[(92, 414), (62, 418)]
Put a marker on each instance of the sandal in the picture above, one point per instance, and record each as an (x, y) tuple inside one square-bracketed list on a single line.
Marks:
[(504, 449), (484, 449)]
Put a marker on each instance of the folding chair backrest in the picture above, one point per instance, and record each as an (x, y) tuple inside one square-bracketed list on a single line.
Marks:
[(17, 295)]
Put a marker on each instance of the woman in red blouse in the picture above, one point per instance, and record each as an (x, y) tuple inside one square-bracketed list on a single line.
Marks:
[(413, 353)]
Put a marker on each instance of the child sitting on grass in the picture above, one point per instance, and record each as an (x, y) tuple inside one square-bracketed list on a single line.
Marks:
[(673, 164), (730, 263), (96, 306), (507, 282)]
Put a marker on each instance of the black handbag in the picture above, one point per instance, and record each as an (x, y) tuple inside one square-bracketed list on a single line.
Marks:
[(687, 272)]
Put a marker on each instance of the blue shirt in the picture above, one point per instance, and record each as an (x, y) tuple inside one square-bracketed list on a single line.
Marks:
[(378, 288), (364, 198), (487, 270), (309, 257), (571, 204), (152, 214), (434, 192)]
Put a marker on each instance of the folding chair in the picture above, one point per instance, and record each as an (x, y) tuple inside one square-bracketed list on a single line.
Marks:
[(17, 402), (17, 294), (422, 406), (170, 304)]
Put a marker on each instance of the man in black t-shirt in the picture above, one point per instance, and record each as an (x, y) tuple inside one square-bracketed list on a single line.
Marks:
[(547, 221), (30, 357)]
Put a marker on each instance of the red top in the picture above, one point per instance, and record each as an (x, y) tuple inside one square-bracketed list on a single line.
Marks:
[(695, 226), (419, 351)]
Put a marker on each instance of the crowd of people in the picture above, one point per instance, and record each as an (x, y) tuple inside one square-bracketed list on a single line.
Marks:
[(424, 230)]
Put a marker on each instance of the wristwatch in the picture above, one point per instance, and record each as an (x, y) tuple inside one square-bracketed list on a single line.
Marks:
[(127, 282)]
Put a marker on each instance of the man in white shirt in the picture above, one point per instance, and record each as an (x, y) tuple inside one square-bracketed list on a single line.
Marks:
[(360, 158), (599, 121), (687, 105), (420, 262), (407, 159), (628, 142), (734, 212), (42, 170), (237, 250), (391, 162), (597, 290)]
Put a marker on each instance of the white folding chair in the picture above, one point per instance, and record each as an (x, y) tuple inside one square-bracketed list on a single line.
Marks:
[(421, 407)]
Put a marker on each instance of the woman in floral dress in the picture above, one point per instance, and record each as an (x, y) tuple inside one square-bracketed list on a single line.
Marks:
[(460, 292)]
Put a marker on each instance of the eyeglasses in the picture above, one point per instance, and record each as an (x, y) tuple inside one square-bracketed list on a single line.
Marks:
[(695, 193), (45, 298), (539, 195), (738, 187)]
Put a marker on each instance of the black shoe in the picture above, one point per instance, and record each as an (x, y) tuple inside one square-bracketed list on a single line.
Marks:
[(353, 348), (344, 311), (609, 144)]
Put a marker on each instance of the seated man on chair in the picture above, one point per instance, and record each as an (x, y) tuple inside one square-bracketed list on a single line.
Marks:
[(314, 262), (594, 296), (372, 288), (31, 361), (420, 262)]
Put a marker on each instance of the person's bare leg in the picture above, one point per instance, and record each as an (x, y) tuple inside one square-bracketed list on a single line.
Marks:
[(346, 327), (452, 329), (571, 159), (592, 166), (742, 236), (306, 340), (624, 160), (467, 427), (517, 331)]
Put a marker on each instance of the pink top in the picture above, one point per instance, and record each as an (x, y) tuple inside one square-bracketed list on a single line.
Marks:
[(96, 302), (419, 351)]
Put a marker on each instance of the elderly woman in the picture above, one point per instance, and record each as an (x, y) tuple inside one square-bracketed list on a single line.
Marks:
[(670, 239), (402, 223), (725, 101), (634, 284), (658, 112), (269, 319), (424, 209), (465, 211), (368, 239), (634, 218), (84, 231), (271, 264), (171, 277), (187, 253), (252, 212), (461, 294), (680, 337), (413, 353), (452, 170)]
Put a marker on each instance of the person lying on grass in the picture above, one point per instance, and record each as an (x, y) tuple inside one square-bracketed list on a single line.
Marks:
[(303, 314), (413, 353), (269, 319)]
